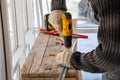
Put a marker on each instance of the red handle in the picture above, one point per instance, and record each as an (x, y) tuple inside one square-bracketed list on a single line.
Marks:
[(80, 36), (55, 33)]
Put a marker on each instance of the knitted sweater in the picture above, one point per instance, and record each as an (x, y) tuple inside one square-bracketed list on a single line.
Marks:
[(106, 55), (58, 4)]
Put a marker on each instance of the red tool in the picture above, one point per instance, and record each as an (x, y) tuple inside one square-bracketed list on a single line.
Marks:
[(52, 54), (55, 33), (79, 36)]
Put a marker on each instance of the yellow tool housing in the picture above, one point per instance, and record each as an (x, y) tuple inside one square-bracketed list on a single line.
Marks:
[(67, 24), (67, 29)]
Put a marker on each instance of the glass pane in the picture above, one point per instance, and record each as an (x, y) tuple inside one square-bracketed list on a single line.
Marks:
[(39, 13), (12, 25), (82, 11), (35, 17), (25, 16), (46, 5)]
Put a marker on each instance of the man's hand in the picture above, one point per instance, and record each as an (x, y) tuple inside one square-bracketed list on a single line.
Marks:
[(75, 60), (64, 57), (55, 19)]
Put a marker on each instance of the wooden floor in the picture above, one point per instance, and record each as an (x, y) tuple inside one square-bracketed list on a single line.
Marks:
[(40, 66)]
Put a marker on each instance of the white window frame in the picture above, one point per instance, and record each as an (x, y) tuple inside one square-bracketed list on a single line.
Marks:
[(26, 39), (5, 30), (22, 35), (86, 30), (16, 60), (25, 16), (2, 59), (14, 26), (41, 11)]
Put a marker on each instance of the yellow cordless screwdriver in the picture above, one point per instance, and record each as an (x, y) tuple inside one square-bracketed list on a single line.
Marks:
[(66, 28), (66, 33)]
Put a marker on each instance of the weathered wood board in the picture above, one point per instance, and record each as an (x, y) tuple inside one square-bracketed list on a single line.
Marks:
[(39, 66)]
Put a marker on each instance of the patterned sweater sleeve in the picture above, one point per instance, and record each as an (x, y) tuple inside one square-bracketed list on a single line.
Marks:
[(58, 5), (105, 57), (96, 61)]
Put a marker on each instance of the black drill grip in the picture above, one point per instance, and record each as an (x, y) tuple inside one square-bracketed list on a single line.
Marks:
[(68, 41)]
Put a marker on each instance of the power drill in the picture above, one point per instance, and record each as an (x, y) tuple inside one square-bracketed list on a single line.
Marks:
[(66, 28)]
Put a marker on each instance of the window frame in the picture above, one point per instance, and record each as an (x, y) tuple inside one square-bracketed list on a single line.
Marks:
[(25, 16), (6, 37), (2, 59), (16, 60), (11, 6)]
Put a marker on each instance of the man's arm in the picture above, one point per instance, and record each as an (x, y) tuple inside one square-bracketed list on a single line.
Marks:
[(58, 5), (95, 61)]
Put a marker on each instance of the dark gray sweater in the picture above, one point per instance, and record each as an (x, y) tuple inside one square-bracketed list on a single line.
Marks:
[(106, 56)]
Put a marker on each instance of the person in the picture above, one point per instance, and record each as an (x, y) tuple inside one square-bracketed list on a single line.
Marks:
[(105, 57), (86, 11), (83, 8)]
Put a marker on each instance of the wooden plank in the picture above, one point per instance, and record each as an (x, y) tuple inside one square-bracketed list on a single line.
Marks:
[(46, 66), (38, 58), (49, 67), (48, 79), (40, 66), (52, 64), (27, 65), (34, 54)]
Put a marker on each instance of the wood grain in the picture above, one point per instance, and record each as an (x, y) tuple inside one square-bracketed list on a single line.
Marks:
[(48, 79), (39, 66)]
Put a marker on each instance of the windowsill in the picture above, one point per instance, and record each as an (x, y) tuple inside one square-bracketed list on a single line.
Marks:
[(86, 30)]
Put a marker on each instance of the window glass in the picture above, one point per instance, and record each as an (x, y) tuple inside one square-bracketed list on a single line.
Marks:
[(25, 11), (39, 9), (12, 24), (46, 5), (82, 11), (35, 17)]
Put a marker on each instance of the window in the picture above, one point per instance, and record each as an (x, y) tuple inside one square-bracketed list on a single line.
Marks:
[(39, 13), (46, 4), (35, 19), (25, 15), (2, 58), (82, 15), (12, 24), (37, 16)]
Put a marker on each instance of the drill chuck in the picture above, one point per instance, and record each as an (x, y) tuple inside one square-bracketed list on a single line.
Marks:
[(68, 41)]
